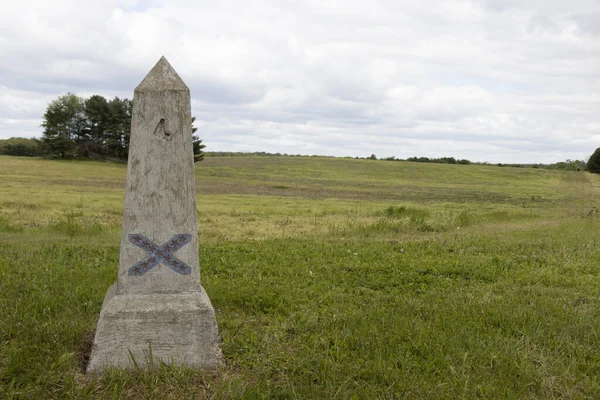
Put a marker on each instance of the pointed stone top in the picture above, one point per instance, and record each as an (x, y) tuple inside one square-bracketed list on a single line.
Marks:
[(162, 77)]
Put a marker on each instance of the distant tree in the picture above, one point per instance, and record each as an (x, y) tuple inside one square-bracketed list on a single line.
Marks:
[(92, 141), (197, 144), (373, 157), (118, 128), (593, 164), (64, 125), (442, 160), (445, 160), (569, 165), (17, 146)]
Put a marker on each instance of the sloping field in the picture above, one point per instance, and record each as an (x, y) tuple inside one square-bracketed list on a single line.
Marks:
[(331, 278)]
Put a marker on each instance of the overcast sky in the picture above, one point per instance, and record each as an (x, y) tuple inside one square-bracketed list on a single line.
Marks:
[(485, 80)]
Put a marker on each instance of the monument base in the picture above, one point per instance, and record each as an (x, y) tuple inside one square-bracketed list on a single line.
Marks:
[(139, 330)]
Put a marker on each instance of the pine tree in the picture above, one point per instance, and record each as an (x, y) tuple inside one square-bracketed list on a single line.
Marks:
[(197, 144), (64, 125), (593, 164)]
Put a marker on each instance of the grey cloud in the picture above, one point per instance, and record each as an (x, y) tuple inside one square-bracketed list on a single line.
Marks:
[(588, 23), (216, 92)]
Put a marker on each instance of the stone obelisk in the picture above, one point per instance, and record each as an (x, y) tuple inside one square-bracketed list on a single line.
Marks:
[(158, 310)]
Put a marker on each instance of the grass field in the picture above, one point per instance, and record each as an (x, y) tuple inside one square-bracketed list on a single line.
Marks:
[(331, 278)]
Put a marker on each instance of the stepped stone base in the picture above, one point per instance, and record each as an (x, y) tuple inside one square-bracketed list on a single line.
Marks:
[(177, 328)]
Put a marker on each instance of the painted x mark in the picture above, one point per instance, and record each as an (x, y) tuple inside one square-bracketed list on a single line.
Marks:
[(160, 254)]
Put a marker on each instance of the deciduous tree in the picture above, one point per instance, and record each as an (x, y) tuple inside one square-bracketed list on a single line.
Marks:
[(64, 124)]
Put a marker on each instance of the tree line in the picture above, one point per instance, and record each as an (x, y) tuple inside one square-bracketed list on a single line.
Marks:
[(18, 146), (441, 160), (76, 127), (569, 165)]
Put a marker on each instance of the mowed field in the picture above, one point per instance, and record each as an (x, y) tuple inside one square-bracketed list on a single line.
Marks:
[(331, 278)]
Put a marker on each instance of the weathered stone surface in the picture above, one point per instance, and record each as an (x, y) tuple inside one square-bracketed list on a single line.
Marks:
[(160, 196), (175, 328), (158, 302)]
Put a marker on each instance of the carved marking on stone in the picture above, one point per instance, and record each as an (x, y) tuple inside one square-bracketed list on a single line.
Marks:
[(161, 132), (160, 254)]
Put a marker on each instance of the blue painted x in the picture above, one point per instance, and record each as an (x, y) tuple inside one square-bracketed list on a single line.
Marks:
[(160, 254)]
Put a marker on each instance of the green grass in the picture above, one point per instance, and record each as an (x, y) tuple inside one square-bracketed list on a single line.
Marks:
[(331, 278)]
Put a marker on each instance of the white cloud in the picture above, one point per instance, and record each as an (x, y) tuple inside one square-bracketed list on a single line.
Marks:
[(495, 80)]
